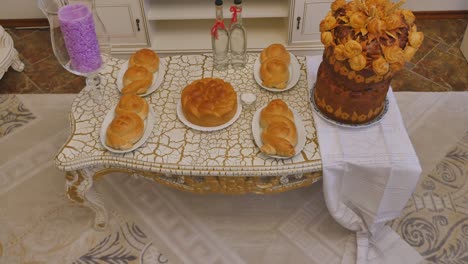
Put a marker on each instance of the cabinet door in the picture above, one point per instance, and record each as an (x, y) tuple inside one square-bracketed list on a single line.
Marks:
[(305, 21), (124, 21)]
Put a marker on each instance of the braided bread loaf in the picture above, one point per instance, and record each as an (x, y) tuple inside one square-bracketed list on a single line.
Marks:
[(279, 134)]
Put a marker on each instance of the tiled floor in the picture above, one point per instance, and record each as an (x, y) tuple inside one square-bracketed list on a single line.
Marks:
[(437, 66)]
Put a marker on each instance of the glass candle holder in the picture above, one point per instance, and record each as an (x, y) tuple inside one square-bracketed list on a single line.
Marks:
[(79, 39)]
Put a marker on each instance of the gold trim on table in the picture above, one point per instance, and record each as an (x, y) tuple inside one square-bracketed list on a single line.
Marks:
[(224, 185)]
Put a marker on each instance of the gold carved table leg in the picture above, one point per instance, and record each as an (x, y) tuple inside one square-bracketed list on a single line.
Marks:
[(79, 188)]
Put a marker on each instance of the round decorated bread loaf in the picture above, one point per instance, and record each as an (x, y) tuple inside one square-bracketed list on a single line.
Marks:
[(366, 43), (209, 102)]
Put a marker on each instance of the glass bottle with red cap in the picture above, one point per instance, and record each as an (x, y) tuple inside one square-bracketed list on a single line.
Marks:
[(220, 39), (237, 37)]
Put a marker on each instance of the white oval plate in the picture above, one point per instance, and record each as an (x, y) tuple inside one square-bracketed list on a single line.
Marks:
[(158, 77), (294, 74), (181, 116), (149, 124), (301, 133)]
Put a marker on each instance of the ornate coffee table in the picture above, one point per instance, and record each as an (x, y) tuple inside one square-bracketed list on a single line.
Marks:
[(225, 161)]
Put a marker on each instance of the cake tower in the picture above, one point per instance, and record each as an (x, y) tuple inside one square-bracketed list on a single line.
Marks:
[(366, 43)]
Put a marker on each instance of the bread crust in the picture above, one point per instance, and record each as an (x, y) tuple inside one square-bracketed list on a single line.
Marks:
[(132, 103), (274, 73), (145, 58), (279, 132), (136, 73), (275, 51), (136, 87), (124, 131)]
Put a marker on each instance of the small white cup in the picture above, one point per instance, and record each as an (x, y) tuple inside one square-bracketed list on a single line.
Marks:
[(248, 99)]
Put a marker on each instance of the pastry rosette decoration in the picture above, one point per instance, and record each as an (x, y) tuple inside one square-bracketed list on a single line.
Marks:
[(370, 37)]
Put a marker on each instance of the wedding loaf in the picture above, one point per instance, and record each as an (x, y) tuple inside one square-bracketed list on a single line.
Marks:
[(124, 131), (279, 132), (132, 103), (366, 44), (209, 102)]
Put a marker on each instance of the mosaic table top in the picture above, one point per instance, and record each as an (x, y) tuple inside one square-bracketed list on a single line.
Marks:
[(176, 149)]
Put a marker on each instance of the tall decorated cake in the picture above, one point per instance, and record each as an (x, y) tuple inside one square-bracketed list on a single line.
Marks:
[(366, 43)]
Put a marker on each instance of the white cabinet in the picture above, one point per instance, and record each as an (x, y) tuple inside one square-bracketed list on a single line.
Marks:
[(183, 26), (305, 21), (126, 24)]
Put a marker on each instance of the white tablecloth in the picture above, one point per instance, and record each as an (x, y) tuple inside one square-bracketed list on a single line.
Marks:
[(368, 176)]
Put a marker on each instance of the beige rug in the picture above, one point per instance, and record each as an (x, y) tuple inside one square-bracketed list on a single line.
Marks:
[(154, 224), (37, 222)]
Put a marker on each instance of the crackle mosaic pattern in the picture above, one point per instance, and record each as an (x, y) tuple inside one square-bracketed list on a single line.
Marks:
[(174, 148), (13, 114), (435, 220)]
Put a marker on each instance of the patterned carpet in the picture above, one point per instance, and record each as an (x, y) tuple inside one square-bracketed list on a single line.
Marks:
[(38, 223), (153, 224), (435, 220), (12, 114)]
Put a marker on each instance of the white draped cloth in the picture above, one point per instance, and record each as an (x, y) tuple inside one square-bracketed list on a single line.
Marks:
[(368, 176)]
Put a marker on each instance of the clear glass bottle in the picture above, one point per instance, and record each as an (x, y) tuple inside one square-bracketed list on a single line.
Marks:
[(220, 39), (237, 37)]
